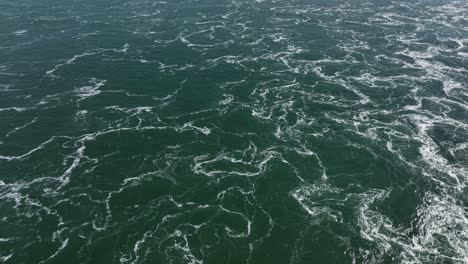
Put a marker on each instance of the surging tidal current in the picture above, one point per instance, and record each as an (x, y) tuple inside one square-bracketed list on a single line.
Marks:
[(213, 131)]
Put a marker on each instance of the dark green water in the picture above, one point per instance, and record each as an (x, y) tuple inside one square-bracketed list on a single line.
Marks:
[(203, 131)]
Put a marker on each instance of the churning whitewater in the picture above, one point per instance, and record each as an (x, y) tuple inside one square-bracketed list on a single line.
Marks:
[(234, 131)]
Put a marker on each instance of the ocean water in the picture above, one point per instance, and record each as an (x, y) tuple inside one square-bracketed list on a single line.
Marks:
[(234, 131)]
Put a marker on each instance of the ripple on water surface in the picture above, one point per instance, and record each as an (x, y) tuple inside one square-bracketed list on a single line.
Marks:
[(234, 132)]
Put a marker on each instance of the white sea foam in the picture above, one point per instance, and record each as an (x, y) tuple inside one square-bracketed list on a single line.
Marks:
[(283, 68), (90, 90), (25, 155), (16, 129), (20, 32), (68, 62)]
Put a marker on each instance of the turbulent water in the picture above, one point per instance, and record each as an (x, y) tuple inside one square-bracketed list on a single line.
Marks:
[(215, 131)]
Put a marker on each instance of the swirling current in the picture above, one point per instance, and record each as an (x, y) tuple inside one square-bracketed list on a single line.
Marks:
[(234, 131)]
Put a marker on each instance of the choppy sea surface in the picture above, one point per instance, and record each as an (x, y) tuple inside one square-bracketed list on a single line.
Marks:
[(215, 131)]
